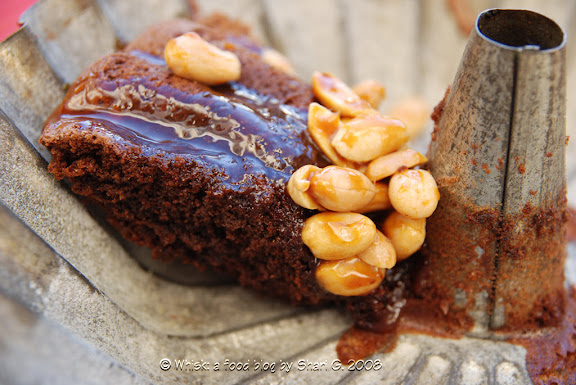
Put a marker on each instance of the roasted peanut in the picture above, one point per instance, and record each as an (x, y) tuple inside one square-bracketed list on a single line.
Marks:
[(380, 253), (278, 61), (322, 125), (348, 277), (381, 200), (414, 112), (192, 57), (333, 236), (341, 189), (414, 193), (407, 235), (368, 136), (298, 187), (371, 91), (334, 94), (387, 165)]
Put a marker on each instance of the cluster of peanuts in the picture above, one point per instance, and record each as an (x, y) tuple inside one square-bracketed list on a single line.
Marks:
[(371, 172)]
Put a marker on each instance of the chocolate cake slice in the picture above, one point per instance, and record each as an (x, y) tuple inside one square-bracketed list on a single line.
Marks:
[(198, 173)]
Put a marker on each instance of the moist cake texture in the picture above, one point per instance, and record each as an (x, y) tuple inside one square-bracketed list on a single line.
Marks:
[(198, 173)]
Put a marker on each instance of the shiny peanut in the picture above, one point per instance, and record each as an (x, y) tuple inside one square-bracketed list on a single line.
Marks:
[(341, 189), (371, 91), (406, 234), (381, 200), (348, 277), (388, 164), (369, 136), (322, 125), (278, 61), (414, 193), (334, 94), (192, 57), (333, 236), (414, 112), (298, 187), (380, 253)]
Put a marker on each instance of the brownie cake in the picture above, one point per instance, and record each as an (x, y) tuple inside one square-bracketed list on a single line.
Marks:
[(231, 174), (198, 173)]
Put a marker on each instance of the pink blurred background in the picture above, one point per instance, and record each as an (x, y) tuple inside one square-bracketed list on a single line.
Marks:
[(10, 11)]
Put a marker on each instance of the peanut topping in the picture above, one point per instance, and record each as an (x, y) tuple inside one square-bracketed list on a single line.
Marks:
[(414, 193), (192, 57), (334, 94), (341, 189), (364, 146), (348, 277), (381, 200), (322, 125), (407, 235), (414, 112), (380, 253), (278, 61), (299, 185), (371, 91), (333, 236), (368, 136), (387, 165)]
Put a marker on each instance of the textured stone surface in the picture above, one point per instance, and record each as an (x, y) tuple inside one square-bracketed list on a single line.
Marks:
[(290, 26), (129, 18), (69, 51), (21, 103), (28, 343)]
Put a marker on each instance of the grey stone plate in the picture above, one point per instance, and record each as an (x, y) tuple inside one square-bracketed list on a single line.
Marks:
[(90, 298)]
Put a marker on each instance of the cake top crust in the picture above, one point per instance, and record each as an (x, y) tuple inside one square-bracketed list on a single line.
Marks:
[(256, 126)]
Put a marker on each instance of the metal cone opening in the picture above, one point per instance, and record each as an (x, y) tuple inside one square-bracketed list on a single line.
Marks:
[(520, 29)]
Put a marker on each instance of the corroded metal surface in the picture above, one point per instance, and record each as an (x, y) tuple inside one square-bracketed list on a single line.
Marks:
[(498, 156)]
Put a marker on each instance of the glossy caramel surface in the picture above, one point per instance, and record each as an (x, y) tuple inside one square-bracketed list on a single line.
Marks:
[(231, 128)]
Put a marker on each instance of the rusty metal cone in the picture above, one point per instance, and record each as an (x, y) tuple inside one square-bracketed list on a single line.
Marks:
[(495, 250)]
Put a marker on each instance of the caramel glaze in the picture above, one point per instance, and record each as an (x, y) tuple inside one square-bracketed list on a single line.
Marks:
[(231, 127), (406, 313)]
